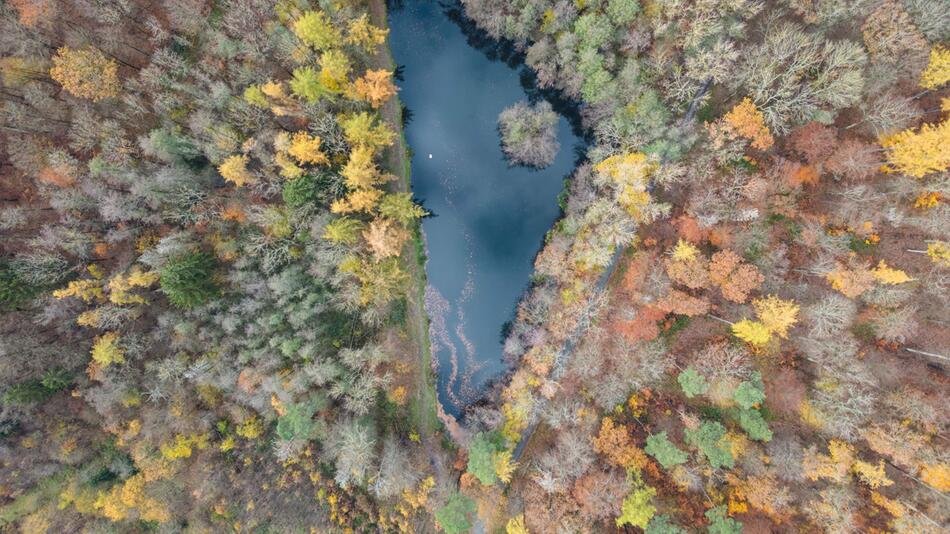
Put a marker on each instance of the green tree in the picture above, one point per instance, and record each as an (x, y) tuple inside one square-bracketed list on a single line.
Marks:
[(301, 192), (750, 392), (455, 516), (659, 447), (692, 383), (710, 439), (296, 423), (401, 208), (481, 462), (661, 524), (719, 523), (306, 84), (754, 425), (188, 281)]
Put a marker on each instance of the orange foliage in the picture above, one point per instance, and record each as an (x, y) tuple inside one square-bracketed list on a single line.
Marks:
[(734, 278), (682, 303), (814, 141), (747, 121), (643, 326), (614, 443), (58, 176), (376, 87), (691, 273)]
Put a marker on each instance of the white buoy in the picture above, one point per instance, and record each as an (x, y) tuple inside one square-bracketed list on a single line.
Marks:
[(430, 156)]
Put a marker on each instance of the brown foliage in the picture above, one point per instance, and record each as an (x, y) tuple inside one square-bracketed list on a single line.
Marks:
[(853, 159), (814, 141), (688, 228), (691, 273), (735, 278), (600, 494), (682, 303)]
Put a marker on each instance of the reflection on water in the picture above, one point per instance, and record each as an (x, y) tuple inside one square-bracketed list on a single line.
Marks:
[(489, 219)]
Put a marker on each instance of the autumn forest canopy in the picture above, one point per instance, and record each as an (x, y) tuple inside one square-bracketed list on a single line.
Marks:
[(212, 272)]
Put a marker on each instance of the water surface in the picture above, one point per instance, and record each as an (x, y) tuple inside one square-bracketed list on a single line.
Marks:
[(489, 219)]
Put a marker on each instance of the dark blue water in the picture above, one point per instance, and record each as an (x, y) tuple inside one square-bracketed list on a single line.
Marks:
[(489, 219)]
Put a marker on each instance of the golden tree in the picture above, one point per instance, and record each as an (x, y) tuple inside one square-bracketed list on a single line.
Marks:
[(937, 72), (360, 32), (234, 170), (385, 239), (86, 73), (306, 149), (919, 153)]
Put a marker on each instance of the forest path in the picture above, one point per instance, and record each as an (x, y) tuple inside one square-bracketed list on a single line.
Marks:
[(398, 163)]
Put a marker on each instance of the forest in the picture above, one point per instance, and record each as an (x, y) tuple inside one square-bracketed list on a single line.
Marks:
[(212, 273)]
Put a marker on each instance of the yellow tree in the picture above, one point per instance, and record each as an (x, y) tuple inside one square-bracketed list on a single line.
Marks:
[(86, 73), (106, 350), (364, 35), (937, 72), (306, 149), (234, 169), (919, 153), (315, 29), (776, 314)]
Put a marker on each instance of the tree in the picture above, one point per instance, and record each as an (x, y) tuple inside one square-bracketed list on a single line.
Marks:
[(360, 172), (887, 275), (637, 509), (614, 442), (710, 439), (106, 350), (752, 332), (735, 278), (659, 447), (748, 122), (296, 423), (400, 207), (234, 169), (188, 281), (661, 524), (481, 459), (376, 87), (776, 315), (750, 392), (455, 516), (693, 383), (365, 129), (306, 84), (306, 149), (937, 72), (343, 230), (529, 134), (754, 425), (86, 73), (720, 523), (919, 153), (315, 29), (361, 33)]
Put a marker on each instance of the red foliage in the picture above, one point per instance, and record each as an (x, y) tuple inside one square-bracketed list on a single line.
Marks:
[(814, 141), (642, 327)]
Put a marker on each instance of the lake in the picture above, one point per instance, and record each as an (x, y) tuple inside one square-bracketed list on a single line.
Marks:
[(489, 219)]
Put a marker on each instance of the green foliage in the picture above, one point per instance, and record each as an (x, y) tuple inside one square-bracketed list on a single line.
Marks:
[(709, 438), (750, 392), (661, 524), (255, 96), (188, 280), (455, 516), (481, 459), (719, 523), (692, 383), (301, 191), (296, 423), (13, 290), (400, 207), (37, 390), (173, 147), (622, 12), (638, 506), (659, 447), (306, 84), (754, 425)]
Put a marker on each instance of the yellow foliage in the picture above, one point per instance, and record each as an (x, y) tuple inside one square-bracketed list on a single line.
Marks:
[(85, 289), (939, 253), (364, 34), (364, 200), (684, 251), (121, 284), (631, 174), (385, 239), (106, 350), (927, 199), (937, 72), (889, 276), (850, 282), (306, 149), (776, 315), (234, 170), (747, 121), (360, 171), (872, 475), (253, 428), (919, 153), (183, 446), (752, 332), (834, 466), (937, 476), (516, 525), (86, 73), (122, 499), (504, 467), (892, 507)]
